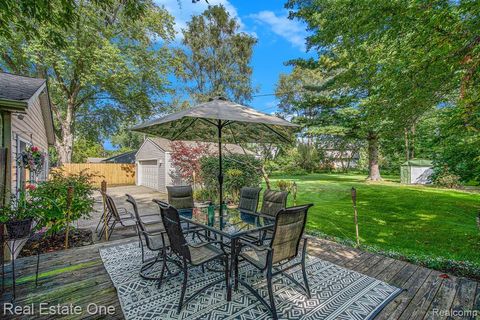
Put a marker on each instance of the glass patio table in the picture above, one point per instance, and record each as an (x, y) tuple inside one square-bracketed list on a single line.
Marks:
[(229, 227)]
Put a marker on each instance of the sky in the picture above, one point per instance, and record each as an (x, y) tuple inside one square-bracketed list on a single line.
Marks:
[(279, 39)]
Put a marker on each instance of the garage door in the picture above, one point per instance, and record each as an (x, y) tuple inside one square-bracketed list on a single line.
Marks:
[(148, 174)]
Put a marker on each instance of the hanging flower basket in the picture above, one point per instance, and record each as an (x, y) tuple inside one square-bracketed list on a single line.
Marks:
[(32, 159)]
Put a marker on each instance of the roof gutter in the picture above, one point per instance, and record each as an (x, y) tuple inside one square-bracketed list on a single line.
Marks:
[(13, 105)]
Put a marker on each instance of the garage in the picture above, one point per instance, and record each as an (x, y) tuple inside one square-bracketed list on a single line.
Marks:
[(148, 173)]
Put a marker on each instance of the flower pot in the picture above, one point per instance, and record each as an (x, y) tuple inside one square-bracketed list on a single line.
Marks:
[(18, 229)]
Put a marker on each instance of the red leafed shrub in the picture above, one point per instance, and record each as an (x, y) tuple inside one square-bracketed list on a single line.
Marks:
[(186, 157)]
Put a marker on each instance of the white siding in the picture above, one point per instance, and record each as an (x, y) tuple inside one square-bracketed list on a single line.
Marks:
[(31, 129), (150, 151), (421, 175)]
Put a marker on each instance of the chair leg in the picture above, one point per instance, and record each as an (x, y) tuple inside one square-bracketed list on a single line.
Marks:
[(184, 286), (227, 279), (110, 231), (273, 309), (164, 264), (305, 279)]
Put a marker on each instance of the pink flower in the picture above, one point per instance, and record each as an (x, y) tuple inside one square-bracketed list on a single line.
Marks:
[(34, 149), (30, 187)]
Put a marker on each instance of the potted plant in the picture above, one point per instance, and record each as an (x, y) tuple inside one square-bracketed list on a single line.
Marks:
[(18, 215), (32, 159)]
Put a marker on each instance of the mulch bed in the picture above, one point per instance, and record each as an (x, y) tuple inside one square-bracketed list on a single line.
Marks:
[(77, 238)]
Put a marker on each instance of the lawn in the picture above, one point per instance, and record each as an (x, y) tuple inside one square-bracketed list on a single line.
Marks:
[(411, 220)]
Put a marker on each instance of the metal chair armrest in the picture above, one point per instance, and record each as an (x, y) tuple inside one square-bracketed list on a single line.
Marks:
[(244, 243), (203, 244)]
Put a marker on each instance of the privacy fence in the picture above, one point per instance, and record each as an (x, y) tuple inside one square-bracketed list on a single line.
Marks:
[(114, 173)]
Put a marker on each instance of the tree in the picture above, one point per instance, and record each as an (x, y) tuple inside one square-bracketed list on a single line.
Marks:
[(84, 149), (401, 57), (186, 158), (330, 121), (216, 59), (113, 66)]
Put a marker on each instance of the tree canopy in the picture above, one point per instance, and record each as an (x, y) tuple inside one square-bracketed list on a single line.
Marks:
[(216, 57), (398, 59), (111, 68)]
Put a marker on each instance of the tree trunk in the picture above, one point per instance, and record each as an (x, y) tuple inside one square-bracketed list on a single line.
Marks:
[(407, 147), (64, 144), (412, 148), (373, 167), (265, 177)]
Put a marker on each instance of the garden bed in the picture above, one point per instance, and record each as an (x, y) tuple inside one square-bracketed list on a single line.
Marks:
[(77, 238)]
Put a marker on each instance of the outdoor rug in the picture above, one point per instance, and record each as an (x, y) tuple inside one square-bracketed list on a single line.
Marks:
[(337, 293)]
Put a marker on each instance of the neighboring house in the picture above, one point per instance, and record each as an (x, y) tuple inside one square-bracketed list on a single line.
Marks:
[(95, 160), (342, 160), (25, 120), (127, 157), (154, 168)]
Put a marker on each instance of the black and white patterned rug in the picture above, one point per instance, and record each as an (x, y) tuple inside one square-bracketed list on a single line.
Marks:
[(337, 293)]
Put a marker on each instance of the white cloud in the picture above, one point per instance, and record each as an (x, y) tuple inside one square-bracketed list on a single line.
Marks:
[(183, 11), (292, 31)]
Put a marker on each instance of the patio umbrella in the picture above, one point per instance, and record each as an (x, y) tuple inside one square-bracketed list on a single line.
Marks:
[(220, 120)]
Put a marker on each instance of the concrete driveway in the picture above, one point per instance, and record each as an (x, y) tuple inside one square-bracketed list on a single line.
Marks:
[(142, 195)]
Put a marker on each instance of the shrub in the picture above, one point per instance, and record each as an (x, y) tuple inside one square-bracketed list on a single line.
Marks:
[(203, 194), (52, 199), (239, 171), (445, 178)]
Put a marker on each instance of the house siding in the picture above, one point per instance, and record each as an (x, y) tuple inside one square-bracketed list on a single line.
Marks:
[(150, 151), (30, 129)]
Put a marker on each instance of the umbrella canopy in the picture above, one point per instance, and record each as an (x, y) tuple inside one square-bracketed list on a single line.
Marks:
[(223, 121), (238, 124)]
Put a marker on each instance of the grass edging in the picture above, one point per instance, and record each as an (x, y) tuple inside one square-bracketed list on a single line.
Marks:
[(458, 268)]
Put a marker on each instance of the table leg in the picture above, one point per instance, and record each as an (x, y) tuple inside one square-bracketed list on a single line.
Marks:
[(233, 254)]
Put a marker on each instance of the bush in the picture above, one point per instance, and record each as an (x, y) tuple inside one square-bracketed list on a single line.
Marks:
[(445, 178), (52, 197), (239, 171), (203, 195)]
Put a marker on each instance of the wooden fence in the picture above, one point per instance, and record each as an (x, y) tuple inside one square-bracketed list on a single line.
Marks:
[(115, 174)]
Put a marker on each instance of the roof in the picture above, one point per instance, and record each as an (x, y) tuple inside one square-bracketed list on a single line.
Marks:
[(94, 160), (18, 88), (127, 157), (418, 163), (165, 145)]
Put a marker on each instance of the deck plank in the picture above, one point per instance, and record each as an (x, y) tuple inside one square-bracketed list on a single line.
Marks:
[(443, 300), (464, 298), (418, 306)]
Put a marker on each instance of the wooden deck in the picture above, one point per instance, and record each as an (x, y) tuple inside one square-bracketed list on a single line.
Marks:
[(77, 277)]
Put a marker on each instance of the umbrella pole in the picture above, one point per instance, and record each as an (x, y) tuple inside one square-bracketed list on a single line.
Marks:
[(220, 173)]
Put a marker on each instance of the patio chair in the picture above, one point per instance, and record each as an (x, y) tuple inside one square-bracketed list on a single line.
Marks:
[(181, 198), (113, 217), (191, 255), (248, 203), (289, 227), (152, 236), (273, 202)]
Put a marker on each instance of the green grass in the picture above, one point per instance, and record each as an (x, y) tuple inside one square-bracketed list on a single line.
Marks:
[(410, 220)]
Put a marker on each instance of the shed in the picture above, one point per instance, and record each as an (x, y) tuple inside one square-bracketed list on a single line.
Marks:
[(153, 165), (417, 171)]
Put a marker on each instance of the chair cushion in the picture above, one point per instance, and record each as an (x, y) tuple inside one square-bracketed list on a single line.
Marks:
[(201, 253)]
